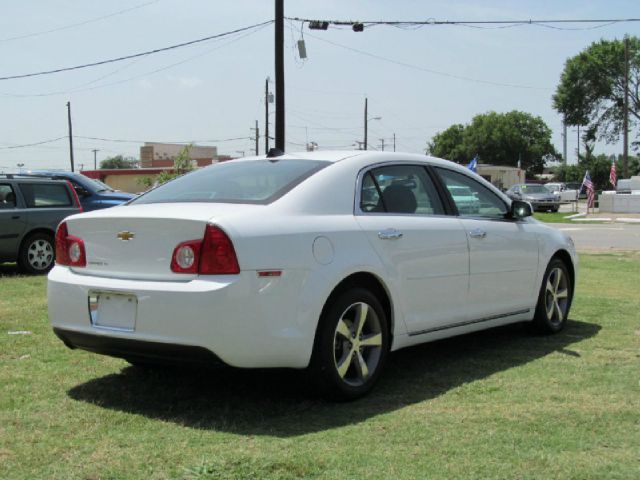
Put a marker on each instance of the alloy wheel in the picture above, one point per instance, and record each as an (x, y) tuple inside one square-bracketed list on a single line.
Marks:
[(357, 344), (40, 254), (556, 296)]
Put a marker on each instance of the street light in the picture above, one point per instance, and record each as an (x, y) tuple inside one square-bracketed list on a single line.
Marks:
[(20, 165)]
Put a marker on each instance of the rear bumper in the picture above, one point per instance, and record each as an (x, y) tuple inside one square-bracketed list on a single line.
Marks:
[(154, 352), (242, 320)]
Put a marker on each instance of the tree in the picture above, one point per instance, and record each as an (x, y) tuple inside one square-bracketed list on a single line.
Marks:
[(118, 162), (591, 89), (498, 139)]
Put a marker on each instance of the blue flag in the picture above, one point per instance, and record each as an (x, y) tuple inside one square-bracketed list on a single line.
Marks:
[(473, 165)]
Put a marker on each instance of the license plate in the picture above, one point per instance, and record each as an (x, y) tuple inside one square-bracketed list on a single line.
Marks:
[(115, 311)]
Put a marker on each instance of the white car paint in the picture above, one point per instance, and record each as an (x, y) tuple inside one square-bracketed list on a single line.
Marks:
[(440, 281)]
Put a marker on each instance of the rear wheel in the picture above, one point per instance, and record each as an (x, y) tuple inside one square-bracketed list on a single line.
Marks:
[(351, 345), (37, 253), (554, 299)]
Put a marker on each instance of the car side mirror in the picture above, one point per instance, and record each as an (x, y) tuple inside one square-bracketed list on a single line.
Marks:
[(520, 209)]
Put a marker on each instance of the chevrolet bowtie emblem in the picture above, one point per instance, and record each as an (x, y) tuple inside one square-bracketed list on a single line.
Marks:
[(126, 236)]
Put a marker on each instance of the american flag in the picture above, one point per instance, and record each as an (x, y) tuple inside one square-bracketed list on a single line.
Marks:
[(613, 177), (591, 194)]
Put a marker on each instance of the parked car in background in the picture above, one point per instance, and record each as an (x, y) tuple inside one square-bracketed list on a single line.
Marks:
[(319, 260), (538, 196), (93, 194), (560, 189), (30, 210)]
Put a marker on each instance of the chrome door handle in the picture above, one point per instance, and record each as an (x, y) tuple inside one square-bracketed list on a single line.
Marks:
[(389, 234), (477, 233)]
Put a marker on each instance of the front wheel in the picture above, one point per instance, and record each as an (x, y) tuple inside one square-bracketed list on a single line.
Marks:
[(554, 299), (352, 343)]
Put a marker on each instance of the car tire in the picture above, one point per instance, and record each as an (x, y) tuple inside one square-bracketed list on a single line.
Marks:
[(351, 345), (37, 253), (554, 299)]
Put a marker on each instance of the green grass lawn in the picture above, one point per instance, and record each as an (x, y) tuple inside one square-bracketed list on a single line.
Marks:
[(499, 404), (553, 217)]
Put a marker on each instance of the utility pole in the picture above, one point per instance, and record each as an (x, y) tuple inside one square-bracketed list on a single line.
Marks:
[(625, 128), (257, 129), (266, 116), (95, 160), (382, 144), (70, 135), (394, 142), (564, 141), (578, 144), (365, 122), (279, 67)]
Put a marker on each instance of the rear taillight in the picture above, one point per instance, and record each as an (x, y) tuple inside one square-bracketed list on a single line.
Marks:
[(213, 255), (69, 249)]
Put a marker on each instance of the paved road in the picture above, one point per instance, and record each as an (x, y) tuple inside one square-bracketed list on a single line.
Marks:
[(602, 237)]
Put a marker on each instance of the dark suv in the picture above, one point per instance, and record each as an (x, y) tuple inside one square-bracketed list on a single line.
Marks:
[(30, 211)]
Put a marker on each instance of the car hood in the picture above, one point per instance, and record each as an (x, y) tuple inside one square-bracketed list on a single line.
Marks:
[(123, 197)]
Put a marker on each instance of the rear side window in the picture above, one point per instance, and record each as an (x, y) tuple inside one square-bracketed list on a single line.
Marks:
[(251, 181), (7, 197), (405, 189), (46, 195)]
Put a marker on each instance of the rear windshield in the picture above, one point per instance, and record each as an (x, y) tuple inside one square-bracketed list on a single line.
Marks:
[(250, 181)]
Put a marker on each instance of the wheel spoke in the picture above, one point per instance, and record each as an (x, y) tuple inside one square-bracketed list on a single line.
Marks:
[(550, 308), (343, 329), (363, 310), (361, 365), (550, 286), (374, 340), (558, 310), (562, 293), (345, 363), (558, 277)]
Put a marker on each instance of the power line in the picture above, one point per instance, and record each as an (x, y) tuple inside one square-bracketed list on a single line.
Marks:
[(118, 140), (135, 55), (84, 22), (85, 87), (434, 22), (428, 70), (34, 144)]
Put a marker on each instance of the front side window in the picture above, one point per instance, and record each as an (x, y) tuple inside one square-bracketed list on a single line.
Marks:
[(7, 197), (471, 198), (403, 189), (46, 195), (251, 181)]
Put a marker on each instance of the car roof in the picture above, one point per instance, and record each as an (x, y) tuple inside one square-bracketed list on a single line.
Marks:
[(365, 156)]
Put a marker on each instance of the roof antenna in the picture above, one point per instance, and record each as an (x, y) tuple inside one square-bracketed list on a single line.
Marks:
[(274, 152)]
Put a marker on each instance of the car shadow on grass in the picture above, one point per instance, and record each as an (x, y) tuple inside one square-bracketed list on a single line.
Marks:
[(279, 402)]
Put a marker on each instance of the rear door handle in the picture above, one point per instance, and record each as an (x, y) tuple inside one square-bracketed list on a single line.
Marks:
[(390, 234), (477, 233), (15, 217)]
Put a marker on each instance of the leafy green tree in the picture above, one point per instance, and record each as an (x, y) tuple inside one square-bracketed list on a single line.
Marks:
[(591, 89), (449, 144), (118, 162), (498, 139)]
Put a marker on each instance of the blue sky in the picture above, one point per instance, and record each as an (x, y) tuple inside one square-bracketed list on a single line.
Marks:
[(214, 90)]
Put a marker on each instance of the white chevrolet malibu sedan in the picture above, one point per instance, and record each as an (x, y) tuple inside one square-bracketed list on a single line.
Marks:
[(321, 260)]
